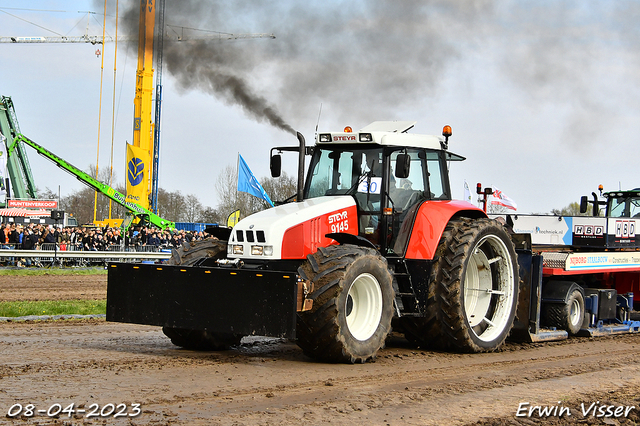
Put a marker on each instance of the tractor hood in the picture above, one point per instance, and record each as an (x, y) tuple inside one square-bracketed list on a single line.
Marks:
[(294, 230)]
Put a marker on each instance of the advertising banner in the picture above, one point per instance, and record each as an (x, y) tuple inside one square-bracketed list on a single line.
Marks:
[(233, 218), (33, 204), (138, 167)]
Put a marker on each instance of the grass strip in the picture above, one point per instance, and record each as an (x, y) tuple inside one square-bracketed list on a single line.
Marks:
[(53, 307), (52, 271)]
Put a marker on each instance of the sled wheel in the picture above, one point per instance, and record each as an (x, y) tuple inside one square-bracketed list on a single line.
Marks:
[(189, 254), (568, 316), (352, 304), (477, 287)]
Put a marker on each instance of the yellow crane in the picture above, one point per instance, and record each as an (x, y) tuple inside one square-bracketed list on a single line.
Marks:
[(139, 168), (142, 155)]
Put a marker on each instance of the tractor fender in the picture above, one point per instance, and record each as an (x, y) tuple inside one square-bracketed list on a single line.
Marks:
[(559, 291), (429, 224), (355, 240)]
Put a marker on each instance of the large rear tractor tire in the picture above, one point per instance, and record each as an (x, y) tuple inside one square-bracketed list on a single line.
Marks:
[(568, 316), (352, 304), (477, 285), (426, 331), (189, 254)]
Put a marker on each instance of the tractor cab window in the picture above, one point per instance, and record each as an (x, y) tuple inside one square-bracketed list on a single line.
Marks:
[(355, 171), (427, 180), (404, 193), (345, 171), (436, 183), (624, 206)]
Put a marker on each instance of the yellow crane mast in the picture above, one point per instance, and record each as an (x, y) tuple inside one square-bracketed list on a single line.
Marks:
[(139, 154)]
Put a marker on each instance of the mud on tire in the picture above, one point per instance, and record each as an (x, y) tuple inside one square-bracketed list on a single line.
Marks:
[(477, 285), (352, 304)]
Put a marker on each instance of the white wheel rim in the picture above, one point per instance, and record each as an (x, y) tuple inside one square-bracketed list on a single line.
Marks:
[(488, 288), (574, 312), (363, 307)]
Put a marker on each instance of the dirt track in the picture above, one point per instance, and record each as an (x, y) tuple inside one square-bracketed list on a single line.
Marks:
[(53, 287), (272, 382)]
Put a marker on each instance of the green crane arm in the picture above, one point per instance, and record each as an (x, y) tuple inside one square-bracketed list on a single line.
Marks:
[(133, 208), (18, 168)]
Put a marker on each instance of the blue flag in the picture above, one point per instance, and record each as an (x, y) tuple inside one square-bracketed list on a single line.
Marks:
[(248, 183)]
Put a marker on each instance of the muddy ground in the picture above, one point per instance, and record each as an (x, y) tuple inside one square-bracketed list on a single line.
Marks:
[(92, 364), (53, 287)]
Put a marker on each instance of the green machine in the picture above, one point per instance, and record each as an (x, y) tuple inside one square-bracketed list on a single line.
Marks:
[(18, 168), (134, 210)]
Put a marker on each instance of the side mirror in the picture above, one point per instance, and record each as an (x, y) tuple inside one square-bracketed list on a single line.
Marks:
[(403, 163), (276, 165), (583, 204)]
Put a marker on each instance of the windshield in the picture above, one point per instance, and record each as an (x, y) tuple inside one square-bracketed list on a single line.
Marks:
[(345, 171), (624, 206)]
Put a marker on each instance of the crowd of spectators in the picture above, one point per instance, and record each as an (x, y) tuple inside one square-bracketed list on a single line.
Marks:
[(38, 236)]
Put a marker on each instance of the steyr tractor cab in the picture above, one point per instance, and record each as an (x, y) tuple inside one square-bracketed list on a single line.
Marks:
[(372, 237)]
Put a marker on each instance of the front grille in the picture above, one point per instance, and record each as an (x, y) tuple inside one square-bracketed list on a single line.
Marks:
[(250, 236)]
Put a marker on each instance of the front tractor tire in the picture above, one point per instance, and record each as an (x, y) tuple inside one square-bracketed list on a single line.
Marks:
[(352, 304), (190, 254), (477, 285), (201, 340)]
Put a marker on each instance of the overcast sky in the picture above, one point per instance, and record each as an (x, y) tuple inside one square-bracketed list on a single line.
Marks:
[(543, 96)]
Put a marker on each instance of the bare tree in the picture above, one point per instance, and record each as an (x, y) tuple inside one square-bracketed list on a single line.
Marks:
[(211, 215), (171, 205), (192, 208), (81, 202), (46, 194), (230, 199), (280, 189)]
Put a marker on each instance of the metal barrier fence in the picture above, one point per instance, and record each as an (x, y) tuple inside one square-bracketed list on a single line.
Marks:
[(73, 255), (79, 247)]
